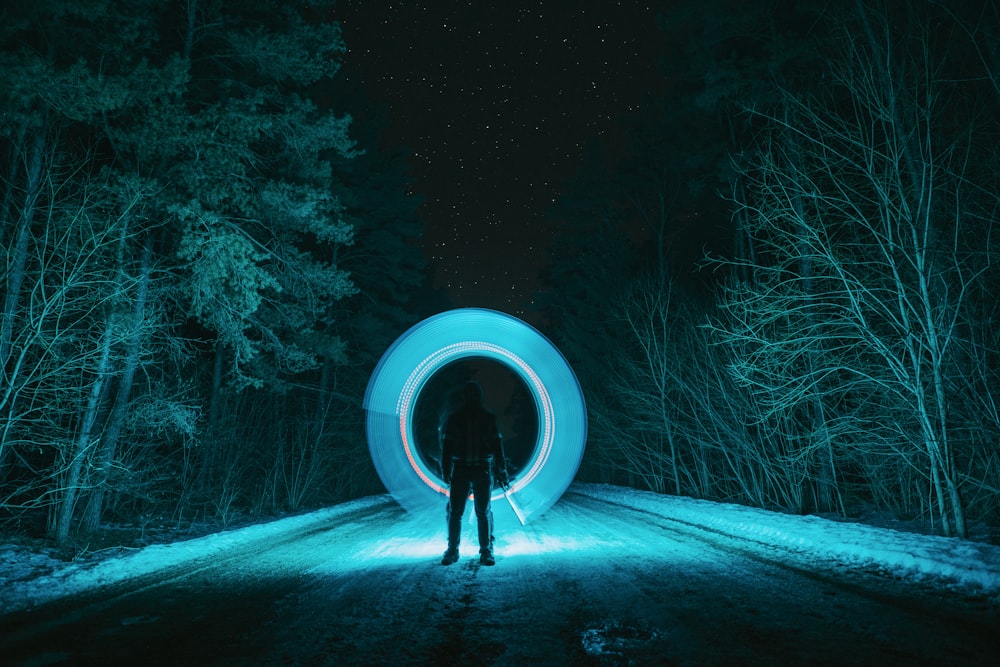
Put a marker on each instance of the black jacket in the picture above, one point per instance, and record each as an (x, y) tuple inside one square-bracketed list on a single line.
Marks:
[(471, 437)]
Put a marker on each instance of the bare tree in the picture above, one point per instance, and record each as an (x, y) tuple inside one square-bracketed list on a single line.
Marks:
[(874, 187), (644, 382), (683, 424)]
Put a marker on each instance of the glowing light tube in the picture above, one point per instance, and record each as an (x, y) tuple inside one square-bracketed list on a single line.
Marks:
[(413, 358)]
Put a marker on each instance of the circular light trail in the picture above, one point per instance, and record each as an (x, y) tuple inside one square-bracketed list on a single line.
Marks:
[(428, 346)]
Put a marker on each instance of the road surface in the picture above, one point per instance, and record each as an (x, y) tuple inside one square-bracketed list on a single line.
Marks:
[(588, 583)]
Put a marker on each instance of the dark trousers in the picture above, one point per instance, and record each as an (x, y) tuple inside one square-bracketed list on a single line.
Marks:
[(479, 480)]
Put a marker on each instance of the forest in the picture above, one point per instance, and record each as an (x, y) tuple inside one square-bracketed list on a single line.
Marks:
[(781, 294)]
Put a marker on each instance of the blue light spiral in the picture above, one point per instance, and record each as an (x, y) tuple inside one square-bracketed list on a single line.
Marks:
[(413, 358)]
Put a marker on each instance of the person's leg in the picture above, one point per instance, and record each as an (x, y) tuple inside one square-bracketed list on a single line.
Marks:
[(482, 489), (457, 496)]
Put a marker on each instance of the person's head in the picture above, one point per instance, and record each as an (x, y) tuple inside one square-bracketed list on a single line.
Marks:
[(472, 393)]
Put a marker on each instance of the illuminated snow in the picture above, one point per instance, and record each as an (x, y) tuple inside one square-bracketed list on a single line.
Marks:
[(27, 580)]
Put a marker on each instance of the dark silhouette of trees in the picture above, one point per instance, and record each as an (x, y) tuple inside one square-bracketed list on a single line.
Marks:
[(840, 359), (207, 250), (871, 205), (187, 222)]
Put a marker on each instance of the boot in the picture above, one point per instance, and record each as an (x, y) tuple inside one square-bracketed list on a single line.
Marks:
[(450, 556)]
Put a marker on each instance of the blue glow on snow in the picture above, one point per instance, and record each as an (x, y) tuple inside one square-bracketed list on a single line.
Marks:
[(426, 347), (514, 544)]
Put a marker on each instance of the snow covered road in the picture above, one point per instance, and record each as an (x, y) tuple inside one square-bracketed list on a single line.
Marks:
[(600, 579)]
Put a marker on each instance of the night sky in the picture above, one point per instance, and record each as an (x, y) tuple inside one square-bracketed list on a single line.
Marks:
[(496, 102)]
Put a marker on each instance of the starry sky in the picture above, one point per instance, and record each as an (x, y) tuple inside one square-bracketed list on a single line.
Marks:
[(495, 102)]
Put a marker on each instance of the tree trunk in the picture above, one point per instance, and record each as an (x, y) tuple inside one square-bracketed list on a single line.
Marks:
[(818, 460), (215, 399), (18, 260), (79, 451), (13, 168), (116, 420), (206, 472)]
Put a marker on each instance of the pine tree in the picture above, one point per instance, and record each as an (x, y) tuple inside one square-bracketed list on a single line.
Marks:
[(175, 147)]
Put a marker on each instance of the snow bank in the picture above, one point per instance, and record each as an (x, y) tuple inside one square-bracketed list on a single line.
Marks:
[(27, 580), (910, 555)]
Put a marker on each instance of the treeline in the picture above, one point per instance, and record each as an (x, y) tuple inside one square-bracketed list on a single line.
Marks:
[(204, 255), (798, 265), (783, 294)]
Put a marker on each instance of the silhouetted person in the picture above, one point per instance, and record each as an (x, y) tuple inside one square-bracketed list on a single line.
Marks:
[(471, 450)]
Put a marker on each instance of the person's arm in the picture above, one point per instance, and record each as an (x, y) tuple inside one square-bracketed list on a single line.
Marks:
[(447, 453)]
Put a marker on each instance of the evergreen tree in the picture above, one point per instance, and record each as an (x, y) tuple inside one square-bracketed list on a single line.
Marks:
[(252, 195), (170, 172)]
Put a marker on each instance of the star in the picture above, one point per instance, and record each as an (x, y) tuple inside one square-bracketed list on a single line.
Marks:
[(497, 106)]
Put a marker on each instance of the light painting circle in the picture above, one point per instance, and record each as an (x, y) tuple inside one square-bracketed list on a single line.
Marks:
[(426, 347)]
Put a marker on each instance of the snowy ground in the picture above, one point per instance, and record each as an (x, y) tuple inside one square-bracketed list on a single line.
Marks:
[(608, 576), (28, 579)]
